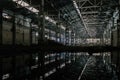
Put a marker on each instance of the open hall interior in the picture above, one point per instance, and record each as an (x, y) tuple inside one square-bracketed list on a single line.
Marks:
[(59, 40)]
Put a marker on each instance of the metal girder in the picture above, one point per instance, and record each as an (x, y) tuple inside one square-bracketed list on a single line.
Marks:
[(89, 7), (91, 12), (94, 23), (81, 0)]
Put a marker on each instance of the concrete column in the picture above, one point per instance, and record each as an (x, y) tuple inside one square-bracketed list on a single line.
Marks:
[(30, 33), (41, 23), (67, 36), (1, 25), (1, 70), (41, 39), (13, 30), (57, 32), (72, 38)]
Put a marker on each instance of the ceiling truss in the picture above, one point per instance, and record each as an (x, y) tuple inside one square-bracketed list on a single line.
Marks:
[(90, 11)]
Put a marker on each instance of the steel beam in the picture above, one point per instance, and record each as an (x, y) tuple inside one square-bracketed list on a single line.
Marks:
[(81, 0), (90, 12), (95, 23), (66, 42), (41, 22), (57, 32), (41, 39), (89, 7)]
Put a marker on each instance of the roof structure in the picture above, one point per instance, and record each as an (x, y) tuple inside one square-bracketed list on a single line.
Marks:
[(87, 17)]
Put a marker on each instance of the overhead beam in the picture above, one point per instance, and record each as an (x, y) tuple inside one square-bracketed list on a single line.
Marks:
[(81, 0), (79, 13), (90, 12), (89, 7), (95, 23)]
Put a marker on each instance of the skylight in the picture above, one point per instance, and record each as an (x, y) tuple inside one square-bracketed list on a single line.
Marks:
[(26, 5)]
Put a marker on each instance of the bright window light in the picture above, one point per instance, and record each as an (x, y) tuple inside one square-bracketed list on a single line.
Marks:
[(6, 16), (36, 34), (62, 27), (6, 76), (26, 5), (51, 20)]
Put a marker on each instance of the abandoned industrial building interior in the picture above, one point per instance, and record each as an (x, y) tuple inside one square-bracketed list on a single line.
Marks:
[(59, 40)]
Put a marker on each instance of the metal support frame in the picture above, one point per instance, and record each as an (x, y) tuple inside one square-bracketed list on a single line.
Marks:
[(67, 36), (72, 38), (59, 23), (89, 9), (1, 25), (41, 23), (72, 55), (13, 30), (66, 42), (57, 32), (41, 39)]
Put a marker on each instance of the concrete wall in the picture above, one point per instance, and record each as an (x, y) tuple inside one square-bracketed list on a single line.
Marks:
[(22, 34)]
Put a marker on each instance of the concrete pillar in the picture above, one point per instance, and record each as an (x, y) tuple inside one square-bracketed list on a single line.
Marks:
[(30, 33), (1, 25), (13, 30), (67, 36), (72, 38), (41, 39), (1, 70), (41, 23)]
